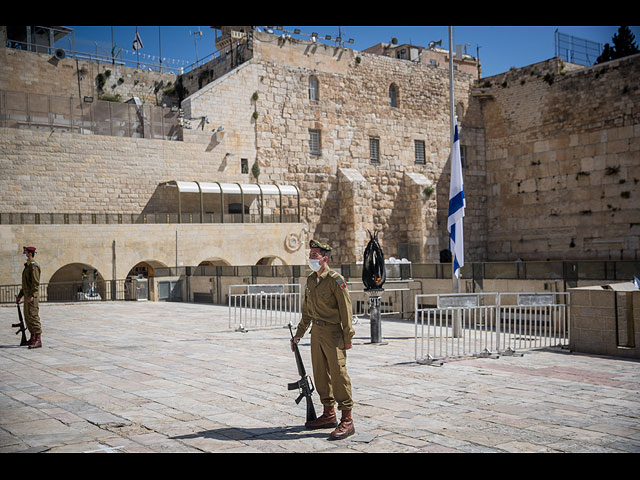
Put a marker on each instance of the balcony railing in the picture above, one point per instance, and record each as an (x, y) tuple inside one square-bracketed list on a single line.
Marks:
[(139, 218), (94, 117)]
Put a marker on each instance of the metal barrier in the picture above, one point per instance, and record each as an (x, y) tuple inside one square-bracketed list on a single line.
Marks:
[(488, 324), (100, 290), (534, 320), (261, 305)]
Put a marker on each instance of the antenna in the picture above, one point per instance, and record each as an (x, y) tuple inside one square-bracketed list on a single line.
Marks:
[(195, 40)]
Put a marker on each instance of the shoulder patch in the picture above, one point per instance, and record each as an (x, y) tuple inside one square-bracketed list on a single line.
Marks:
[(340, 282)]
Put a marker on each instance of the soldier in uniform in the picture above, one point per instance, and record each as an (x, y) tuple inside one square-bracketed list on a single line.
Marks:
[(327, 305), (30, 290)]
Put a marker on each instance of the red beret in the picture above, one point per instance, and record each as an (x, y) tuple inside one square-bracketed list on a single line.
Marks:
[(30, 249)]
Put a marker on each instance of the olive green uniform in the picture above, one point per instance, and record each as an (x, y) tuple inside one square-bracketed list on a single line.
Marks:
[(327, 305), (31, 288)]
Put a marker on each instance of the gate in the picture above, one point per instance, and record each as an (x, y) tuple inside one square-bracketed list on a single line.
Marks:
[(488, 324), (264, 305)]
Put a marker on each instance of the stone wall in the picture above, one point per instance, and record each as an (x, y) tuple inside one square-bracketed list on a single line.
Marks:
[(605, 320), (563, 161), (159, 245), (353, 106), (46, 171), (23, 71)]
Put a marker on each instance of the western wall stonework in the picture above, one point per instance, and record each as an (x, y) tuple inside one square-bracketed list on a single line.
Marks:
[(563, 161), (551, 171), (352, 107)]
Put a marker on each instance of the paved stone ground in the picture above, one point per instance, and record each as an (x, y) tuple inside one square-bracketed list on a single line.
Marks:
[(171, 377)]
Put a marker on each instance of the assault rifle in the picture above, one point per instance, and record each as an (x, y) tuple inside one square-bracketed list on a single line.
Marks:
[(304, 385), (22, 328)]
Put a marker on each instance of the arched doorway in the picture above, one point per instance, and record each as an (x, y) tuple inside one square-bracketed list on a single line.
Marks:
[(270, 260), (215, 262), (76, 282), (139, 283)]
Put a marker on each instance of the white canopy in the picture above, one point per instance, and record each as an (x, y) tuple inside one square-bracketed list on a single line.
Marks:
[(231, 189)]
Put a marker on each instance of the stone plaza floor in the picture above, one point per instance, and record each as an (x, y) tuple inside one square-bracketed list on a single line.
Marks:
[(128, 377)]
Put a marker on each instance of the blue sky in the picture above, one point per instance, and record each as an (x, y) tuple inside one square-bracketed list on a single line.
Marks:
[(500, 47)]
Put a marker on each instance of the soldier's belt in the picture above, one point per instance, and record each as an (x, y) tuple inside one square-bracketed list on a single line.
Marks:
[(322, 323)]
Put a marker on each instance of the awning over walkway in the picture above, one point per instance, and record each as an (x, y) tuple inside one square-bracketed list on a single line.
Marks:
[(241, 189)]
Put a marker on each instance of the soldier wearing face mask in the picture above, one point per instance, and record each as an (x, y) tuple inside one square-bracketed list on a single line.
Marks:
[(327, 305), (30, 291)]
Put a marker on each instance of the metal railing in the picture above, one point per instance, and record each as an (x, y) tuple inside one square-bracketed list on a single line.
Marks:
[(98, 117), (488, 324), (100, 290), (21, 218), (259, 306), (576, 50), (535, 320)]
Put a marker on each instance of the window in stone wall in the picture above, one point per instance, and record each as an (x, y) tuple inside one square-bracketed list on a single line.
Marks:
[(244, 165), (314, 92), (374, 149), (463, 156), (393, 95), (314, 141), (419, 151)]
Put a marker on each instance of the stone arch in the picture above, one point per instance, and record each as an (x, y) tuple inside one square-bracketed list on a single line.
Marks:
[(76, 282), (271, 260), (146, 268), (215, 262)]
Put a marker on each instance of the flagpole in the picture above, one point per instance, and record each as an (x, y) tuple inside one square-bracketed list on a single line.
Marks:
[(456, 281), (138, 53), (456, 320)]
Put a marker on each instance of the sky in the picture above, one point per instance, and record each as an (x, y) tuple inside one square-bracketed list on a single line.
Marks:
[(499, 47)]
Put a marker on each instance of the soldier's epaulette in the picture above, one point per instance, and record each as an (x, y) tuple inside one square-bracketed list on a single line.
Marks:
[(338, 279)]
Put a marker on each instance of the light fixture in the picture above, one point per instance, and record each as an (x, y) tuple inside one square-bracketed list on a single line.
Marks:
[(219, 133), (88, 99)]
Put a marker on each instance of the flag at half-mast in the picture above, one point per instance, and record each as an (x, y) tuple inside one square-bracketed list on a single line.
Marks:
[(137, 42), (457, 204)]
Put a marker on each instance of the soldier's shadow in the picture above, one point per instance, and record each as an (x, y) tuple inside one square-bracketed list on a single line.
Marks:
[(258, 433)]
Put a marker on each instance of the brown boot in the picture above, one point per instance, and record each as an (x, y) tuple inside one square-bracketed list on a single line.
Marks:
[(328, 419), (345, 429), (37, 341)]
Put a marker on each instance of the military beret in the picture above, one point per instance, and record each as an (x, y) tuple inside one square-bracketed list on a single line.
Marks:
[(322, 246), (30, 249)]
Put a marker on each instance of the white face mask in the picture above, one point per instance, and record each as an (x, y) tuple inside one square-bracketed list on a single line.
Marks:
[(24, 255), (314, 264)]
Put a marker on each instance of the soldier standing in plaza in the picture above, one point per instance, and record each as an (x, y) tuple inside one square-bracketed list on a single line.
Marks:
[(327, 305), (30, 291)]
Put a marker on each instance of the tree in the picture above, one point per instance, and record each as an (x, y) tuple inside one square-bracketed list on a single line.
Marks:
[(623, 45)]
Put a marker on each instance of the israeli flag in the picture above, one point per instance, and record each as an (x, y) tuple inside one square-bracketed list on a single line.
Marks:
[(137, 42), (457, 204)]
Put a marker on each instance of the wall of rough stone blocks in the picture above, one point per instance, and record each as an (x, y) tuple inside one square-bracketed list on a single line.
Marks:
[(353, 105), (563, 161), (552, 165), (23, 71)]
